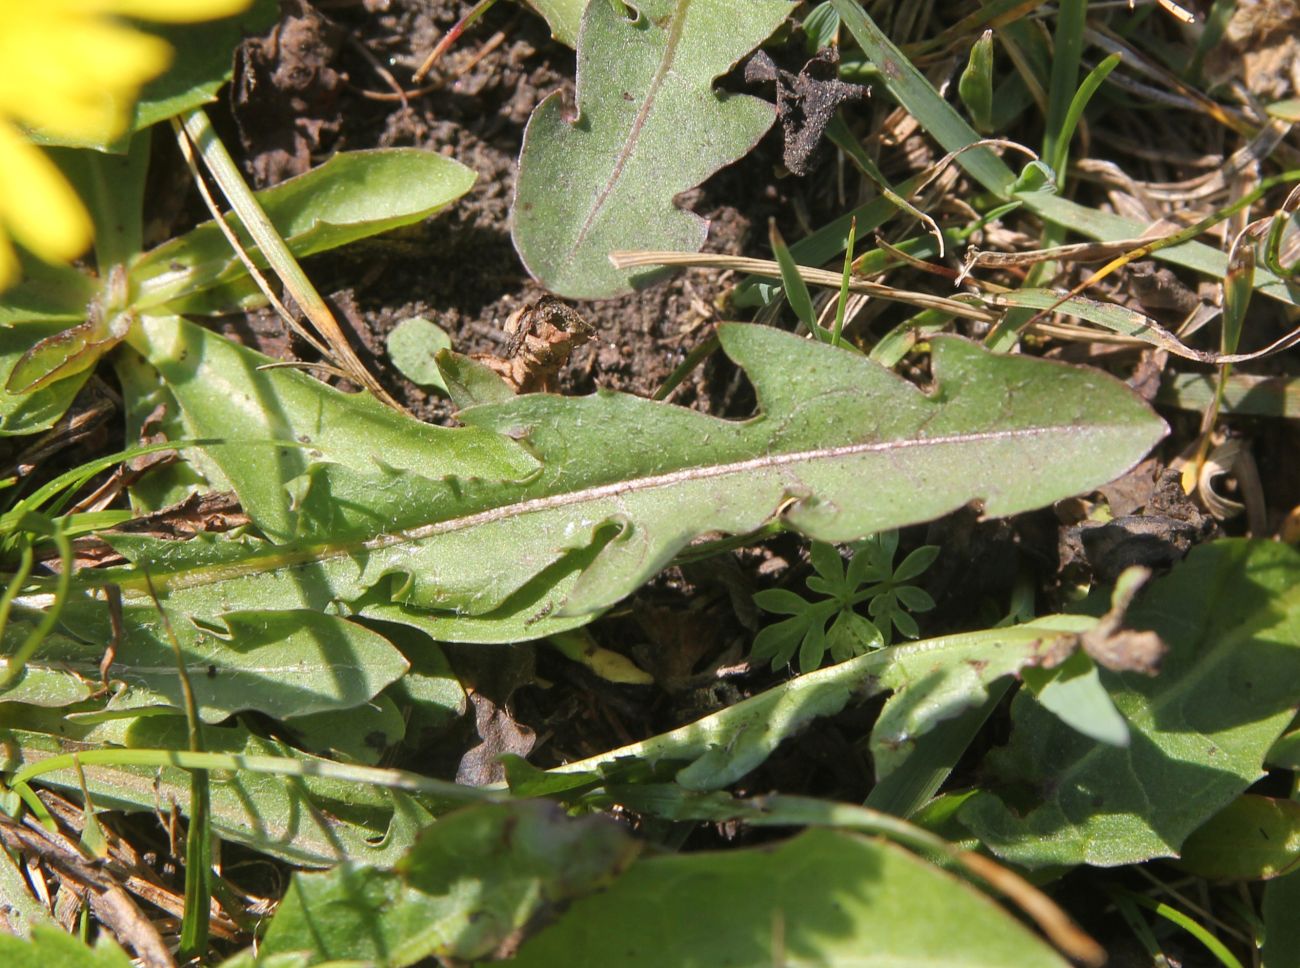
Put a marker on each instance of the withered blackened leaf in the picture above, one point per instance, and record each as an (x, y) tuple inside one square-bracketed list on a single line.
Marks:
[(805, 102)]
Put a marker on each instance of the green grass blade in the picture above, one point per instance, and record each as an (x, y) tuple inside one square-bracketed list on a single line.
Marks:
[(14, 667), (1190, 925), (198, 837), (1071, 18), (910, 88), (71, 481), (1061, 153), (796, 290), (825, 243), (198, 129), (842, 302), (1237, 285), (839, 134)]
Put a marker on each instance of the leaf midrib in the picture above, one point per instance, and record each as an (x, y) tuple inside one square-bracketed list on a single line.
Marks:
[(634, 133), (282, 557)]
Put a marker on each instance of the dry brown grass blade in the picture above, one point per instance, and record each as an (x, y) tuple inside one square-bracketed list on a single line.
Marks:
[(1078, 252), (1053, 921), (195, 134), (816, 277), (110, 902), (1186, 235)]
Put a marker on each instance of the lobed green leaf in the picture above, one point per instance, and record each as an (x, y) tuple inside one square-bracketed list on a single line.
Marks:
[(548, 507), (649, 126), (933, 680)]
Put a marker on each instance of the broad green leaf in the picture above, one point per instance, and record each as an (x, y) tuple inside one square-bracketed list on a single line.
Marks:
[(911, 787), (472, 886), (47, 292), (470, 383), (823, 898), (248, 958), (148, 403), (282, 663), (564, 17), (354, 195), (932, 680), (430, 695), (112, 186), (936, 681), (649, 126), (307, 819), (362, 734), (1230, 615), (812, 443), (50, 945), (607, 509), (68, 353), (1285, 753), (44, 683), (1074, 693), (484, 879), (1252, 838)]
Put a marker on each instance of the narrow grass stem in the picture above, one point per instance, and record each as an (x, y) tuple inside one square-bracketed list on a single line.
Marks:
[(199, 130), (268, 765), (816, 277)]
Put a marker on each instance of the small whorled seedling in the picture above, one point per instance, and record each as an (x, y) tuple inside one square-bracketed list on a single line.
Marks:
[(870, 577)]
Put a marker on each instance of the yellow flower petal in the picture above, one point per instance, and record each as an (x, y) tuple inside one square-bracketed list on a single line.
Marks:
[(171, 11), (8, 262), (75, 77), (37, 205)]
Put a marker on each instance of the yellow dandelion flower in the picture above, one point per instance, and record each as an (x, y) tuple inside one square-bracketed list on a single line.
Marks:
[(72, 72)]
